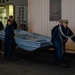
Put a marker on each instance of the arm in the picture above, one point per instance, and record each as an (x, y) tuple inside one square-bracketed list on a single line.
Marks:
[(54, 33), (71, 35)]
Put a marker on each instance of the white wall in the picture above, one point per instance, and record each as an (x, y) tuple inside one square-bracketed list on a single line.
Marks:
[(68, 12), (38, 17), (38, 13)]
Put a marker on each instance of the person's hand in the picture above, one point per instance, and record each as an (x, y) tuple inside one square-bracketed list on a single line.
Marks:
[(14, 36), (51, 43)]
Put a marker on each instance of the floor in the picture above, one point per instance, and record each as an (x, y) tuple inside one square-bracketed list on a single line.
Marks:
[(35, 63)]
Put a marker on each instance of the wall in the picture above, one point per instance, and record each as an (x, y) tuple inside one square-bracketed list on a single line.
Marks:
[(38, 17), (68, 12)]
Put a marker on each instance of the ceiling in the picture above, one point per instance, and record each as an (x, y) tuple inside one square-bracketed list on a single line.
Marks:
[(14, 2)]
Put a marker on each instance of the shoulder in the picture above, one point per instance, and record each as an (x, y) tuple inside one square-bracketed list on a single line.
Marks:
[(14, 21), (68, 28), (55, 27), (0, 22)]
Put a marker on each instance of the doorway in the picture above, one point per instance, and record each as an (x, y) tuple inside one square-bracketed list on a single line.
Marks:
[(5, 11)]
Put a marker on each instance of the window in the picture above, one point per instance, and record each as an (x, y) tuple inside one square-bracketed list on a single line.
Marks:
[(55, 10), (21, 12)]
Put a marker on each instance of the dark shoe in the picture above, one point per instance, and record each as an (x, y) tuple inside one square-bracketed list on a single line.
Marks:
[(11, 60), (57, 63), (63, 65)]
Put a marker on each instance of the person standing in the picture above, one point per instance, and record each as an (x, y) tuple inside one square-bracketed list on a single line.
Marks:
[(54, 35), (9, 41), (60, 34), (14, 24)]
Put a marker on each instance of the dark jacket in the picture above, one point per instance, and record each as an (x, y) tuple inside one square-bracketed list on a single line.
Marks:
[(14, 24), (9, 34), (57, 36)]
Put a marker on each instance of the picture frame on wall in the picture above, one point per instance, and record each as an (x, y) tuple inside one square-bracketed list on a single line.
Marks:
[(55, 10)]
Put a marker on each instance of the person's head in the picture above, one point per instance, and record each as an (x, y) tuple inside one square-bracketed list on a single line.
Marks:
[(65, 23), (11, 17), (60, 22), (9, 22)]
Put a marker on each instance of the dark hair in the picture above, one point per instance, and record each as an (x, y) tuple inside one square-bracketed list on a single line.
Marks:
[(9, 20), (10, 16), (61, 21)]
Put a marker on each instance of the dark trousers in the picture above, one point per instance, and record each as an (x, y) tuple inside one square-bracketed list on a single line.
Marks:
[(59, 50), (8, 50)]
